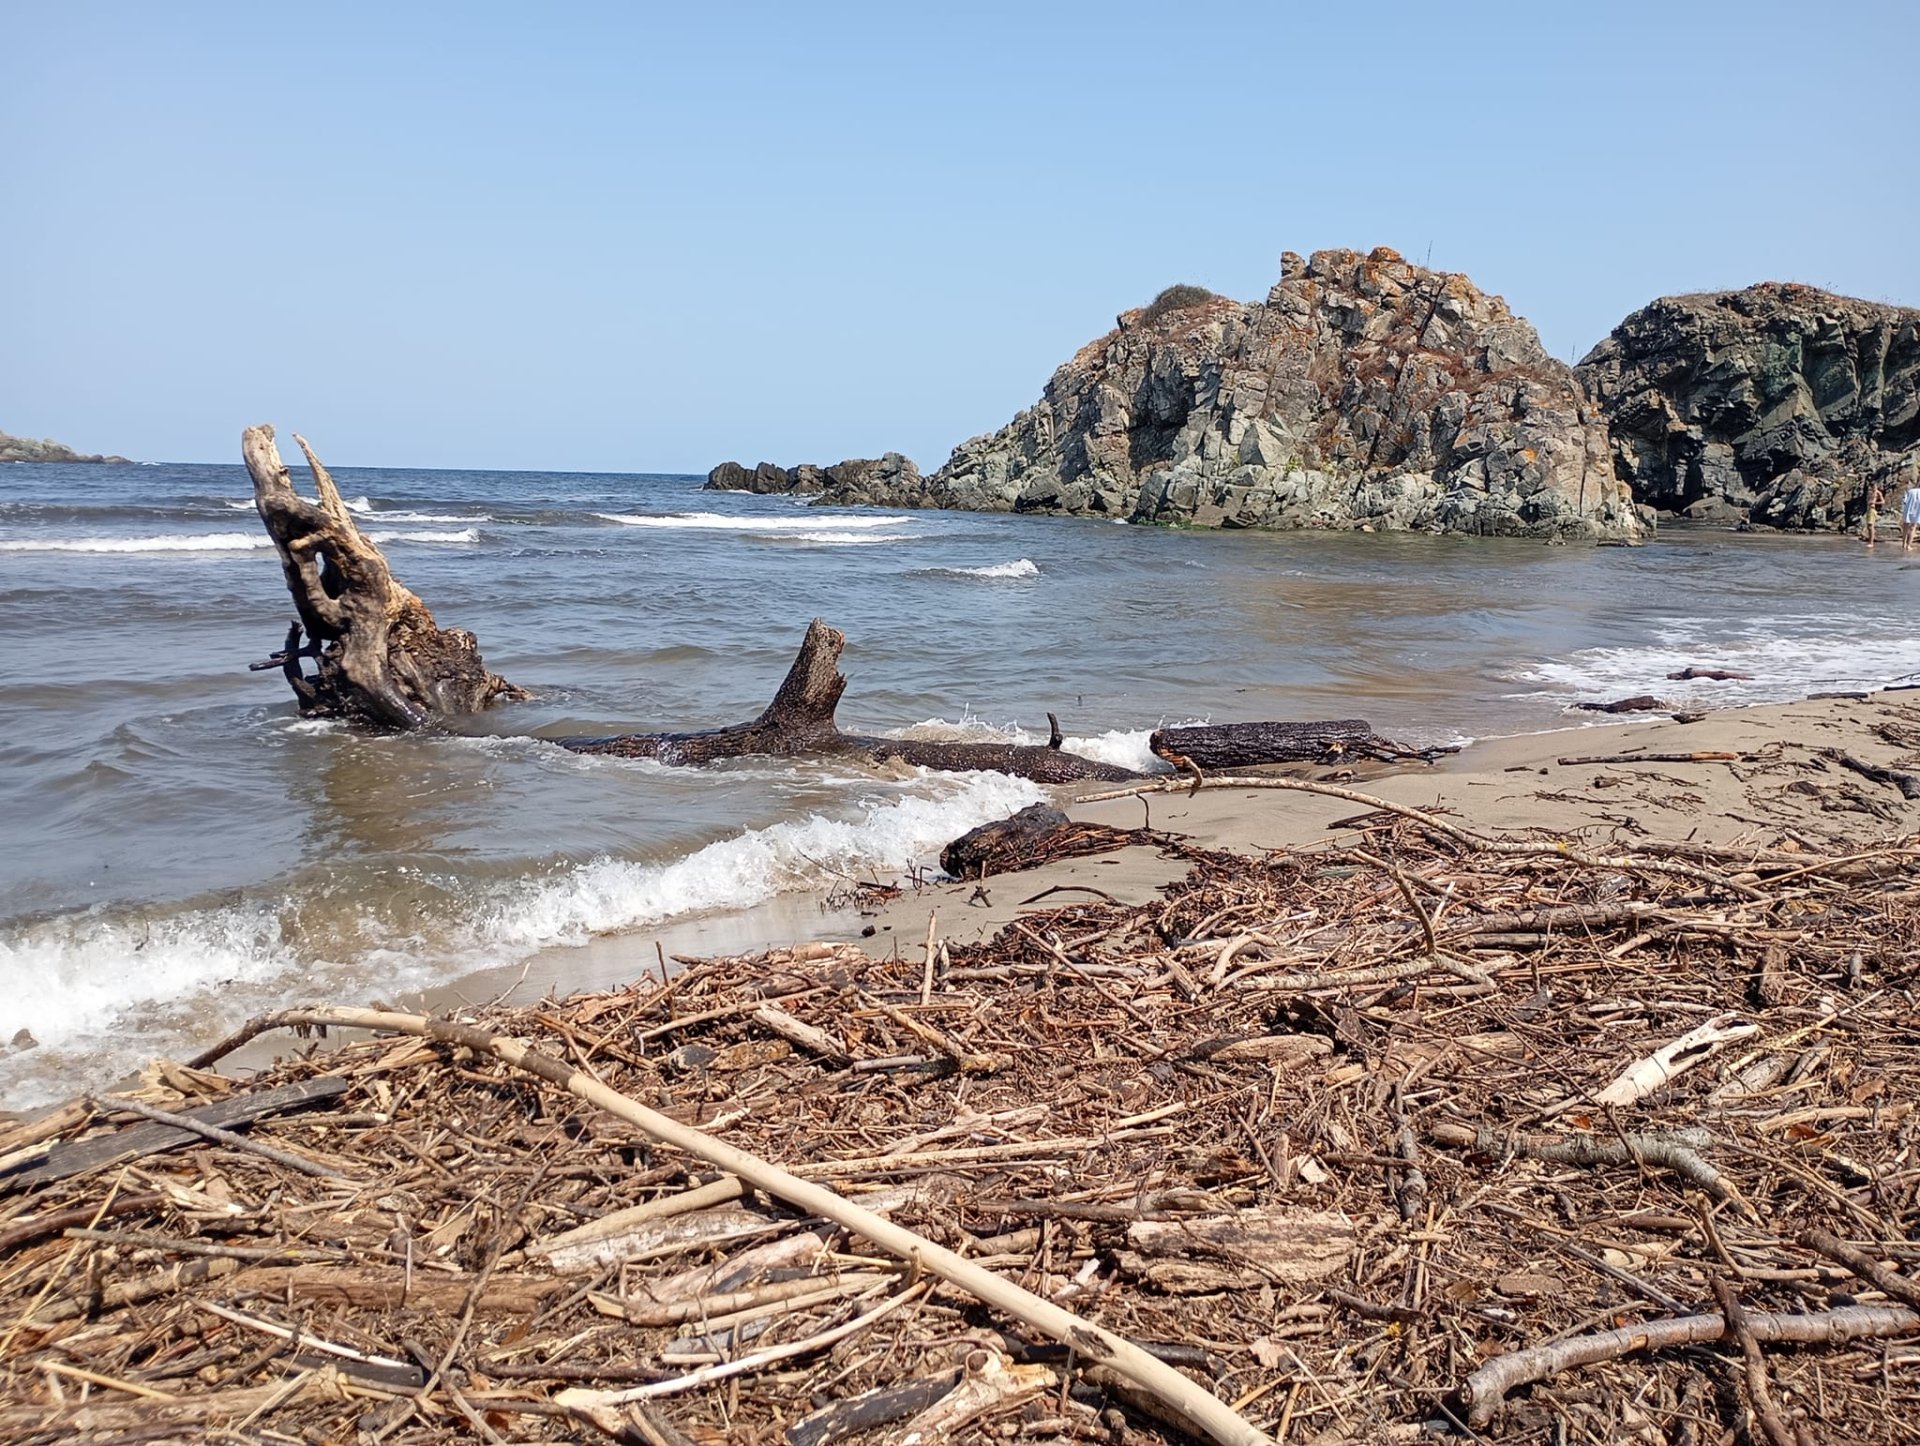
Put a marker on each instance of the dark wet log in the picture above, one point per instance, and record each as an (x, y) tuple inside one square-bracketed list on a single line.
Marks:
[(1252, 745), (78, 1157), (1037, 834), (1717, 675), (381, 657), (800, 721), (870, 1410), (1907, 783), (1639, 703)]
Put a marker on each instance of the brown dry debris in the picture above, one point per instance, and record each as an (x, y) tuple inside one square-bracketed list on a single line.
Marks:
[(1330, 1132)]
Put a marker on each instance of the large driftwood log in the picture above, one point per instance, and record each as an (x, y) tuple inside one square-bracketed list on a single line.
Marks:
[(380, 657), (800, 720), (1251, 745)]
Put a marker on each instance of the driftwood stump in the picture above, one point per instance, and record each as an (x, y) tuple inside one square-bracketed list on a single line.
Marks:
[(800, 720), (380, 657)]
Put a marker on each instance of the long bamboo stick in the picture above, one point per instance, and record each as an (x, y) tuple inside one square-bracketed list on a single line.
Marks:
[(1199, 1410)]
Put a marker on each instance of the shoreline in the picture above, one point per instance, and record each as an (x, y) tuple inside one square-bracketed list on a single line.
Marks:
[(1510, 783), (1390, 1125)]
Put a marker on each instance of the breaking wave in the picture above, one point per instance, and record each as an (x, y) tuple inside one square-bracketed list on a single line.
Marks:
[(714, 522), (1019, 568), (203, 542), (109, 991)]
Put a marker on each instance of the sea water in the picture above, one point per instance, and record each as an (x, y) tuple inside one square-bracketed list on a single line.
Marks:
[(181, 849)]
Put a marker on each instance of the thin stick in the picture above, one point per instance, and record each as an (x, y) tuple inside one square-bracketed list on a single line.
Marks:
[(1487, 1387), (1203, 1412), (224, 1137), (720, 1370), (1759, 1392), (1863, 1265)]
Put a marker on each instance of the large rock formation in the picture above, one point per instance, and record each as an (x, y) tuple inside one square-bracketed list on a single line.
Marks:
[(1364, 392), (891, 481), (1781, 402), (39, 449)]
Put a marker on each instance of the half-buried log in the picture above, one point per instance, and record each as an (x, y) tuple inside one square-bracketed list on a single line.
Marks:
[(1252, 745), (1038, 834), (380, 657), (800, 720)]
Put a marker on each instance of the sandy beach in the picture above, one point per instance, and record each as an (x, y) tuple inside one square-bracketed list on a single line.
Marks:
[(1780, 785)]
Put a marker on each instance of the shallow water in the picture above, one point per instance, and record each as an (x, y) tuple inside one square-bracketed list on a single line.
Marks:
[(182, 850)]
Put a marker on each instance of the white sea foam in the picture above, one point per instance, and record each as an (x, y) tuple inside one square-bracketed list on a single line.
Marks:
[(466, 534), (714, 522), (842, 539), (1019, 568), (366, 509), (1123, 747), (106, 992), (883, 839), (202, 542), (1787, 657)]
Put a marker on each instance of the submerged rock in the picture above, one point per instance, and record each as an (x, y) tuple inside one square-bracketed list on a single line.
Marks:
[(1364, 392), (1780, 404)]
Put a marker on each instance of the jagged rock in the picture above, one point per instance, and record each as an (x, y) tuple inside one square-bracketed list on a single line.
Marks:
[(1780, 403), (889, 481), (1364, 392), (732, 477)]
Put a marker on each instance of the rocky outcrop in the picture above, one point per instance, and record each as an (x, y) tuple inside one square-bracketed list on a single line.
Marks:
[(1780, 403), (889, 481), (31, 449), (1364, 392)]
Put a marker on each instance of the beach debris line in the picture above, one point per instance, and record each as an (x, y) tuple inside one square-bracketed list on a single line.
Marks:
[(380, 658), (1351, 1140)]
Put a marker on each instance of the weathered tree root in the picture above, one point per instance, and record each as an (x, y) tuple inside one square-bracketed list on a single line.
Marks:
[(381, 657), (1487, 1387)]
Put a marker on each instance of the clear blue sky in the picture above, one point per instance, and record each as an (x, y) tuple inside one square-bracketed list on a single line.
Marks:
[(634, 237)]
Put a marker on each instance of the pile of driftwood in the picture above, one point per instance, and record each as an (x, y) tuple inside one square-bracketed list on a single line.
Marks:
[(1428, 1133)]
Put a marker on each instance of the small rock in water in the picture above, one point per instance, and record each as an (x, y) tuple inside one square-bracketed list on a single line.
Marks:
[(23, 1039)]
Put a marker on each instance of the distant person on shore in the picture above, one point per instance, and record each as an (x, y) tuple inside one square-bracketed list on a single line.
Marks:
[(1910, 513), (1876, 499)]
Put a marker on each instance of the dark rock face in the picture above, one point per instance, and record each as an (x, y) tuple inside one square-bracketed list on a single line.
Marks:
[(889, 481), (1780, 403)]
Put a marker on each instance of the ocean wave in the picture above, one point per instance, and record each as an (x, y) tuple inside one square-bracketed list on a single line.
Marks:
[(1787, 657), (1020, 568), (884, 839), (840, 539), (365, 508), (203, 542), (71, 984), (466, 534), (714, 522)]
